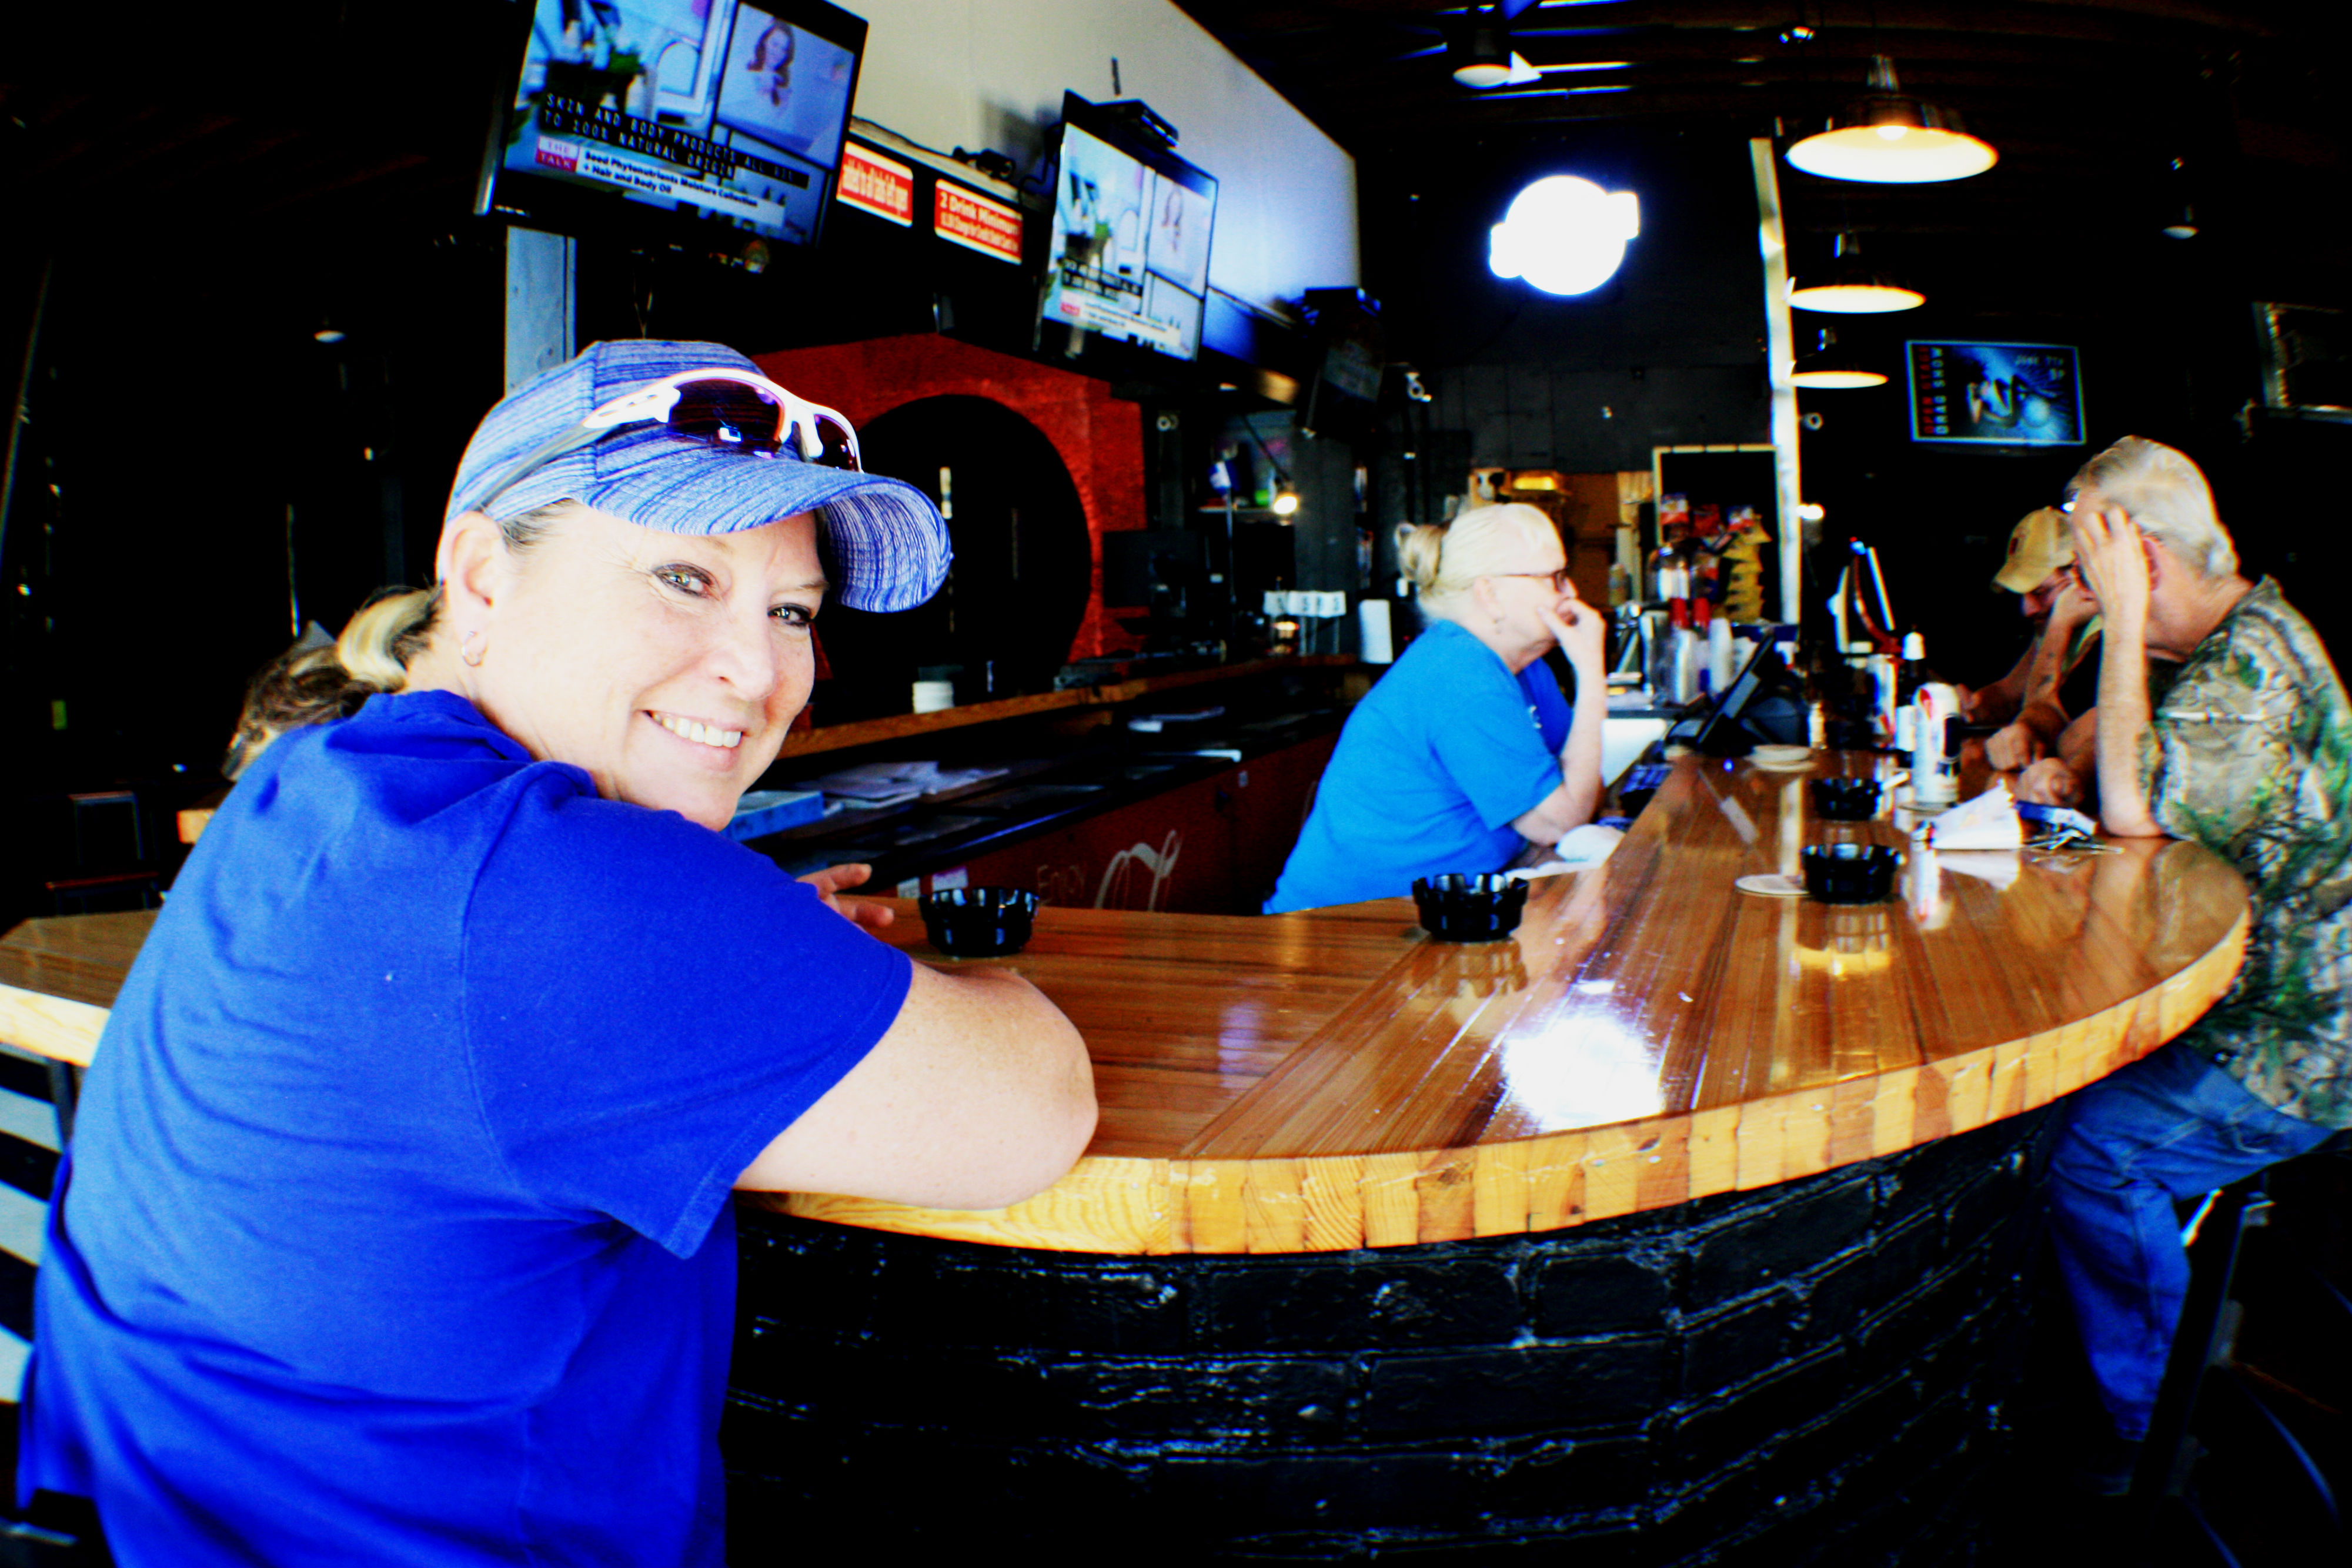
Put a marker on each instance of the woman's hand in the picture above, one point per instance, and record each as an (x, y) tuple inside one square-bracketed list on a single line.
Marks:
[(829, 883), (1582, 634), (2112, 556)]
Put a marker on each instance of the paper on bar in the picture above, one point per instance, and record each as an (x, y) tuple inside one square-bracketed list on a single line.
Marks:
[(1987, 823)]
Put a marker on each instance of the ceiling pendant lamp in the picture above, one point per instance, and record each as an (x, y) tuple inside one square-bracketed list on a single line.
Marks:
[(1850, 288), (1483, 57), (1892, 139), (1831, 369)]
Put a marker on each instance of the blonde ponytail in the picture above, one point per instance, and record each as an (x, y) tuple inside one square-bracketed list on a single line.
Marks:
[(1420, 550), (315, 681)]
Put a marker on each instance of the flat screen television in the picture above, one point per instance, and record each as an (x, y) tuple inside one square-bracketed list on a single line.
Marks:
[(1995, 394), (1129, 255), (722, 114)]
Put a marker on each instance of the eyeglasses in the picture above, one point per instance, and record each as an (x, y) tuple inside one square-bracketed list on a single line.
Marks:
[(1559, 580), (732, 410)]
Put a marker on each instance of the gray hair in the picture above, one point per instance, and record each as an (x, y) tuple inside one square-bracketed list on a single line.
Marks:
[(2166, 496)]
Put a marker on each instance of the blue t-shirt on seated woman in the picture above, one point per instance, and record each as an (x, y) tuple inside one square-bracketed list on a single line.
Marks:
[(1432, 769), (396, 1224)]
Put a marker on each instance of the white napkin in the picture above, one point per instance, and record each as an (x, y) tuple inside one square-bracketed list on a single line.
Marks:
[(1987, 823), (1580, 849)]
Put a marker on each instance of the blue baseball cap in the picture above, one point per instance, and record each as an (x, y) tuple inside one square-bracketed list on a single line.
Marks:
[(883, 543)]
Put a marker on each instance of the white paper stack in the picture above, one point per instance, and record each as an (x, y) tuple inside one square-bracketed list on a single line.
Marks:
[(896, 783), (1987, 823)]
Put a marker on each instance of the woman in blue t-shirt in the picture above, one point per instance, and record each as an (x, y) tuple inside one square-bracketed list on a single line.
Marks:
[(1465, 756), (395, 1227)]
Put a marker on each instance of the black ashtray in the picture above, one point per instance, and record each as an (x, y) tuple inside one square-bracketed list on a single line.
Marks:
[(979, 922), (1844, 799), (1463, 906), (1849, 873)]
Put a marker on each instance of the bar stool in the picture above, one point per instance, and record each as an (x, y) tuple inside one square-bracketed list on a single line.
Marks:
[(107, 800), (2205, 1384), (57, 1531)]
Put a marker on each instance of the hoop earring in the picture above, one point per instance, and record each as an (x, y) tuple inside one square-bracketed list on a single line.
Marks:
[(470, 649)]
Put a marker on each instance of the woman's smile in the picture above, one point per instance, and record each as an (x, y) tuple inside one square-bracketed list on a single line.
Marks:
[(701, 734), (669, 666)]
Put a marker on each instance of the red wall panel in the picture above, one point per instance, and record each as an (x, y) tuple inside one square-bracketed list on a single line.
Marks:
[(1100, 437)]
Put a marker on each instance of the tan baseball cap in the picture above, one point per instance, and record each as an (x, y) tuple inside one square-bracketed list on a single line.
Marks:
[(2038, 546)]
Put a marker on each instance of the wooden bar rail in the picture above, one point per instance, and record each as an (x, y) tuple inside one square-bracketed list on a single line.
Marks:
[(1332, 1080)]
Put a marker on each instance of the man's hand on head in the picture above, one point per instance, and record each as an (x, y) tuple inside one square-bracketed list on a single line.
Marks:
[(2050, 783), (2015, 747)]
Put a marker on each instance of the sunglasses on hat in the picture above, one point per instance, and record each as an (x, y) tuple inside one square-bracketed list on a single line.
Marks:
[(729, 411)]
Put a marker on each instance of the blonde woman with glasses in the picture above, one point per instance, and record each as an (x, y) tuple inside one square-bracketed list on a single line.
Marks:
[(1465, 756)]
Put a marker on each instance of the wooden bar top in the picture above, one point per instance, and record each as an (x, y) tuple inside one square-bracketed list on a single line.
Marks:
[(1332, 1079)]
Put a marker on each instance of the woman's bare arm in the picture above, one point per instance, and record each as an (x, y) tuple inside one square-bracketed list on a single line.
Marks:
[(1573, 804), (980, 1095)]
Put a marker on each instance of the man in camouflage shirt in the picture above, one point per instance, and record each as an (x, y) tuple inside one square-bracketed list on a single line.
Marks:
[(2249, 752)]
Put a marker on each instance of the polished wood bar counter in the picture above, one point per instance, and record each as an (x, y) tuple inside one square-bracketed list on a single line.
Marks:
[(1333, 1080)]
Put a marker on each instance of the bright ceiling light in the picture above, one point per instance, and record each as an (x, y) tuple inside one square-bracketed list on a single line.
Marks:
[(1892, 139), (1832, 369), (1848, 288), (1856, 298), (1482, 54), (1564, 235), (1838, 380), (1513, 72)]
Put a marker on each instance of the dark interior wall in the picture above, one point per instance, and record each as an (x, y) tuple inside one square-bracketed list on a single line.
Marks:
[(2168, 351), (1669, 351), (197, 469)]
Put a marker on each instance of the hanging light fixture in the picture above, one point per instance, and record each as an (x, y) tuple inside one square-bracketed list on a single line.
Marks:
[(1850, 288), (1890, 138), (2179, 216), (1829, 367), (1483, 57)]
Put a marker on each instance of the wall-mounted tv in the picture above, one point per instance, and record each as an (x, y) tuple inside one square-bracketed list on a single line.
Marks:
[(1128, 258), (1995, 394), (724, 113)]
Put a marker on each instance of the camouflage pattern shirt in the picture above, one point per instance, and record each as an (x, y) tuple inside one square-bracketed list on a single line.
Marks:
[(2250, 754)]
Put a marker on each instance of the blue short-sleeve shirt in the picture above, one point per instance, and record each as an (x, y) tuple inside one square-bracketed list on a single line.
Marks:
[(1432, 769), (396, 1224)]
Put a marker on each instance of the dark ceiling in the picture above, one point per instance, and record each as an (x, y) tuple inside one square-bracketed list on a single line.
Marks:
[(2088, 101), (146, 123), (143, 120)]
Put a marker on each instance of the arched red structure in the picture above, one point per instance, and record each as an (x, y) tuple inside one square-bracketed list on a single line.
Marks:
[(1098, 437)]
